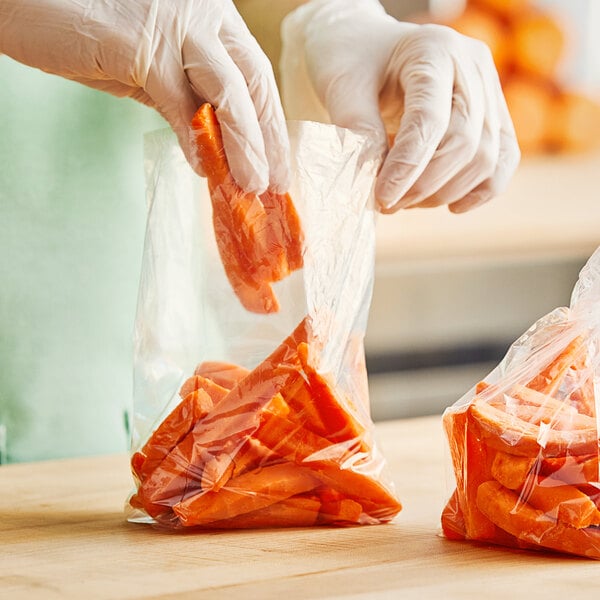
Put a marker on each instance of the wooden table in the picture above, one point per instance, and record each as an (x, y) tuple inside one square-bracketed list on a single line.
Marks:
[(63, 535)]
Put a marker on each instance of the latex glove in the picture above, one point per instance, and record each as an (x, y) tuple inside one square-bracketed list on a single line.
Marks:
[(437, 90), (172, 55)]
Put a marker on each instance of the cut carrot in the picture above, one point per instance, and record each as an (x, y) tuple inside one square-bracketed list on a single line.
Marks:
[(377, 500), (514, 435), (506, 509), (259, 238), (340, 512), (574, 470), (297, 511), (170, 432), (510, 470), (452, 520), (337, 423), (198, 382), (472, 463), (564, 503), (224, 374), (532, 525), (252, 459), (549, 379), (246, 493)]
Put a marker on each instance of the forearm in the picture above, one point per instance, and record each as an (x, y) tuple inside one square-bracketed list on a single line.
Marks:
[(48, 34)]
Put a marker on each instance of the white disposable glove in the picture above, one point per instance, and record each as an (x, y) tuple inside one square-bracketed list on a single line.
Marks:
[(172, 55), (436, 90)]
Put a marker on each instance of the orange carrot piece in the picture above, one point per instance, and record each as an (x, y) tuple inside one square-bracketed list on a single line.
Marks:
[(259, 239), (334, 420), (377, 500), (550, 378), (340, 512), (513, 435), (223, 432), (224, 374), (452, 520), (198, 382), (472, 462), (533, 526), (564, 503), (294, 442), (510, 470), (297, 511), (246, 493), (170, 432), (573, 470), (506, 509)]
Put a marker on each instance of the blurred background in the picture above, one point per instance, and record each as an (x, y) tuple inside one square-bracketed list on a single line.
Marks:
[(451, 292)]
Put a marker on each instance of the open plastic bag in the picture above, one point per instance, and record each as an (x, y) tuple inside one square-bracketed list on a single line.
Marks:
[(524, 442), (257, 419)]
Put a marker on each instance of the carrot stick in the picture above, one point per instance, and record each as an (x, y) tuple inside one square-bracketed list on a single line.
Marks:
[(376, 499), (198, 382), (573, 470), (340, 512), (170, 432), (224, 430), (334, 420), (506, 509), (564, 503), (510, 470), (533, 526), (297, 511), (513, 435), (259, 239), (472, 460), (224, 374), (246, 493), (550, 378), (452, 520)]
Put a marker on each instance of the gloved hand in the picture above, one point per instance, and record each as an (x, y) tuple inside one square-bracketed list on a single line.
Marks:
[(436, 90), (172, 55)]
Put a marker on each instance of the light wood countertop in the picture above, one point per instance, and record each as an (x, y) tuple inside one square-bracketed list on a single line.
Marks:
[(63, 535)]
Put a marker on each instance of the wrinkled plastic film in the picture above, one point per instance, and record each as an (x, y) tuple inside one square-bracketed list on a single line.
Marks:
[(243, 419), (524, 441)]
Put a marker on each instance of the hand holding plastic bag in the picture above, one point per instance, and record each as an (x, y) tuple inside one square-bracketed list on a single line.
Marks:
[(524, 442), (169, 55), (436, 90)]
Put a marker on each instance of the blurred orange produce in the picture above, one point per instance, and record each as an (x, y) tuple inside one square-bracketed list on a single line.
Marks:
[(528, 44)]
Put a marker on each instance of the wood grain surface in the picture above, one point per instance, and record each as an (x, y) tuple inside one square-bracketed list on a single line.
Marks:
[(63, 535)]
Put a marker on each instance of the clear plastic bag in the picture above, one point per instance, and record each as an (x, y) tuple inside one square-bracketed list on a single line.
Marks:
[(244, 419), (524, 442)]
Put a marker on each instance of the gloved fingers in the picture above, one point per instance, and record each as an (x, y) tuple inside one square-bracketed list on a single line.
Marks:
[(358, 112), (170, 93), (468, 179), (427, 79), (215, 78), (463, 152), (507, 163), (260, 81)]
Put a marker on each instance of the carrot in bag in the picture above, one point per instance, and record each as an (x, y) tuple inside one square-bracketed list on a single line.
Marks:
[(259, 238), (542, 488)]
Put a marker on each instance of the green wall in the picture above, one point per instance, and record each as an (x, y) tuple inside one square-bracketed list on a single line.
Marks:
[(72, 219)]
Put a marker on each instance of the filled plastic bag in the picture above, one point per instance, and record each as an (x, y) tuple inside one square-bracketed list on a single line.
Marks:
[(524, 442), (256, 414)]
